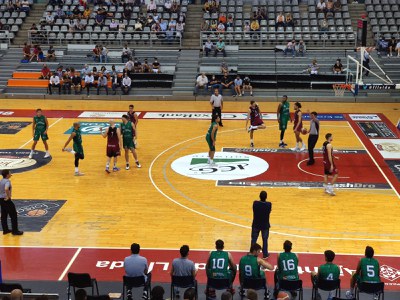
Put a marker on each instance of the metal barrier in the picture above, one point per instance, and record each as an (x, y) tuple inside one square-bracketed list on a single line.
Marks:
[(265, 39), (146, 39)]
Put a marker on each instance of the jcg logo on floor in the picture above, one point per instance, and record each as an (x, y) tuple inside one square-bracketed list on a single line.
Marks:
[(91, 127), (227, 166)]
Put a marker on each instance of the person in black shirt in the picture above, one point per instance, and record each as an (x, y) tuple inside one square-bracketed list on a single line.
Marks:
[(156, 66), (76, 82), (227, 83), (214, 83), (261, 213), (137, 66)]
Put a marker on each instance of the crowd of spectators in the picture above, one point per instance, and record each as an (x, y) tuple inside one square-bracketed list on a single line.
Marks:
[(295, 49), (388, 47), (34, 53)]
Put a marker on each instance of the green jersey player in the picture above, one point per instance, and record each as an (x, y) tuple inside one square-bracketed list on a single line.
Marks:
[(40, 126)]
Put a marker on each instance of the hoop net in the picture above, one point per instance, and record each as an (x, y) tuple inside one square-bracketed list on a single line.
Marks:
[(339, 89)]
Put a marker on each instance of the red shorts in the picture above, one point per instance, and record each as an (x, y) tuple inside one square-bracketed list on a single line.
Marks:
[(113, 151), (299, 128), (257, 122), (327, 169)]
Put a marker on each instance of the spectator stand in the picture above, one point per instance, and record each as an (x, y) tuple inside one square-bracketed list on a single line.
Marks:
[(11, 19), (384, 17)]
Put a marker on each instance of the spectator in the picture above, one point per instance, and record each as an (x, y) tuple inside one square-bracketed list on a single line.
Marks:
[(163, 25), (36, 54), (201, 82), (183, 266), (208, 46), (86, 13), (89, 82), (104, 54), (126, 85), (168, 6), (102, 82), (26, 51), (289, 20), (324, 25), (226, 268), (246, 27), (104, 71), (280, 21), (221, 27), (114, 25), (25, 6), (137, 66), (116, 82), (226, 296), (301, 48), (79, 25), (179, 28), (96, 53), (76, 12), (151, 7), (45, 72), (54, 81), (99, 18), (126, 54), (145, 66), (224, 67), (392, 46), (337, 67), (80, 294), (138, 25), (222, 18), (238, 82), (251, 294), (66, 86), (229, 21), (190, 294), (366, 63), (367, 271), (207, 6), (321, 6), (156, 67), (313, 68), (59, 71), (156, 27), (157, 293), (16, 294), (76, 82), (49, 19), (398, 48), (290, 48), (327, 271), (51, 54), (85, 70), (94, 73), (169, 36), (175, 6), (214, 84), (247, 85), (329, 8), (213, 6), (254, 26), (60, 14), (337, 6), (220, 47), (127, 12), (383, 46), (205, 25), (213, 25), (227, 83), (136, 265), (172, 24)]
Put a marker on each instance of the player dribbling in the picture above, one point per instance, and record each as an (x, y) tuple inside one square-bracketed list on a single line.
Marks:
[(256, 122), (329, 165), (40, 126), (113, 135), (127, 128), (298, 125)]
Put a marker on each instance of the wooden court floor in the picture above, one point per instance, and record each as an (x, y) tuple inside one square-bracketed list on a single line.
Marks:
[(159, 208)]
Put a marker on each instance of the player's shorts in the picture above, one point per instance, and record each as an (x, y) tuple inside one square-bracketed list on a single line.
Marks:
[(257, 122), (210, 143), (128, 143), (79, 151), (327, 169), (113, 151), (299, 128), (283, 123), (40, 134)]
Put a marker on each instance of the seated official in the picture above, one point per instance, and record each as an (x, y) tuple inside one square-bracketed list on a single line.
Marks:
[(54, 82), (126, 85), (102, 83), (201, 83)]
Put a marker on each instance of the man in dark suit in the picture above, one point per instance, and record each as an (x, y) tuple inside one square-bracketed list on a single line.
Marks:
[(261, 211)]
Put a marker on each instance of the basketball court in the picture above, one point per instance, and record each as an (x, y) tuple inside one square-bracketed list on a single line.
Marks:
[(86, 224)]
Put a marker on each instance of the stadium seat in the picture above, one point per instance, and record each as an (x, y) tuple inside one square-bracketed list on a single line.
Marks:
[(183, 282), (81, 281), (129, 283), (255, 284), (326, 285), (292, 286), (371, 289)]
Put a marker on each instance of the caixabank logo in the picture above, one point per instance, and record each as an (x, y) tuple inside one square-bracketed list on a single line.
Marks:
[(17, 160), (226, 166)]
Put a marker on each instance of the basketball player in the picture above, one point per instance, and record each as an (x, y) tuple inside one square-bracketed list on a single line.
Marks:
[(134, 118), (329, 165), (127, 129), (298, 125), (283, 115), (211, 137), (77, 146), (113, 135), (40, 126), (256, 121)]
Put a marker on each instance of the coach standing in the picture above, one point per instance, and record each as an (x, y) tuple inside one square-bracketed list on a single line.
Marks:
[(261, 211), (7, 206), (217, 104), (313, 137)]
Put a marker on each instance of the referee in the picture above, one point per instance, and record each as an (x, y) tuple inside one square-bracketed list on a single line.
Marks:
[(313, 137), (217, 105), (7, 206)]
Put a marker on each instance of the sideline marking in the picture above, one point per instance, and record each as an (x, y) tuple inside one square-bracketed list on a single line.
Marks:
[(70, 264), (51, 125), (298, 166), (244, 226)]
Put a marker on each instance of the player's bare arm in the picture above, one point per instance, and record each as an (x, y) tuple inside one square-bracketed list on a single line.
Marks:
[(103, 133), (265, 264), (232, 265), (69, 140), (278, 112), (33, 127), (213, 134), (247, 119)]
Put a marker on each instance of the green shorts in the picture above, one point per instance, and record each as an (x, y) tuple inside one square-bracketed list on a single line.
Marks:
[(283, 123), (210, 143), (40, 134), (128, 143), (78, 149)]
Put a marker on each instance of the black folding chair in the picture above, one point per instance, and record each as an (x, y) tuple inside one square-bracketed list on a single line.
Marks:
[(81, 281), (255, 284), (217, 284), (99, 297), (135, 282), (326, 285), (370, 288), (9, 287), (292, 286), (183, 282)]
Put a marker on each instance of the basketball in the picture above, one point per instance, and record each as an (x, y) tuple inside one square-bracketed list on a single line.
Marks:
[(304, 131), (283, 296)]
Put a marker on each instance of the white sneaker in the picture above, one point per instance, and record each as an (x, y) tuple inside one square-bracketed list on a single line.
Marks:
[(349, 295), (47, 155), (296, 149), (138, 164), (303, 148), (30, 155), (79, 174), (127, 167), (69, 150)]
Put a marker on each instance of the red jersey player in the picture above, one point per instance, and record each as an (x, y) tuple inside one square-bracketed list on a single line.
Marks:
[(113, 135), (329, 165), (134, 118), (256, 122), (298, 125)]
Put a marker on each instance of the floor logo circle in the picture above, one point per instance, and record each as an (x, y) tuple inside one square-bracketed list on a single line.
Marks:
[(17, 160), (227, 166)]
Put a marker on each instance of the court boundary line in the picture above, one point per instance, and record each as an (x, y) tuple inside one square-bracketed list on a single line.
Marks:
[(69, 265), (318, 175), (245, 226)]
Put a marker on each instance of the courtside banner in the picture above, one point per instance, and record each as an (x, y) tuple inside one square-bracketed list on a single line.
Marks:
[(364, 117), (103, 114)]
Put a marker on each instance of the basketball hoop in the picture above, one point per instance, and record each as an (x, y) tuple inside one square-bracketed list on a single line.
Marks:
[(340, 88)]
